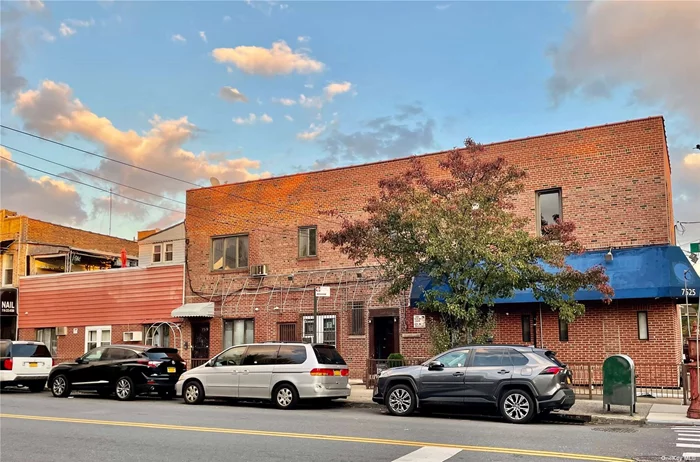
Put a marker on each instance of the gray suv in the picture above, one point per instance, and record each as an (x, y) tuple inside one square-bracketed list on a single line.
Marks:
[(521, 381)]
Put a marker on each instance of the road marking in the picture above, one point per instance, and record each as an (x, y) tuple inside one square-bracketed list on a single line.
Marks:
[(691, 455), (686, 445), (429, 454), (311, 436), (689, 439), (695, 435)]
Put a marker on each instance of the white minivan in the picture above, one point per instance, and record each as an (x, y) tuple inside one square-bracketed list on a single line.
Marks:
[(283, 373), (24, 363)]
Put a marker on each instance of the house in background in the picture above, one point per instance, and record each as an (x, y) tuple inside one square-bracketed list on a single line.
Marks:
[(33, 247), (162, 246)]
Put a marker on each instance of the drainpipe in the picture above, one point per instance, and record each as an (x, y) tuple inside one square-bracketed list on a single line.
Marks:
[(541, 328)]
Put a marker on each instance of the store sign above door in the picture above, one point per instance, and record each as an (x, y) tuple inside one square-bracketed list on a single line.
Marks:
[(323, 291), (8, 302)]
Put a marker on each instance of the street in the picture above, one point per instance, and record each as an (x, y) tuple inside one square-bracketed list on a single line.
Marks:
[(86, 428)]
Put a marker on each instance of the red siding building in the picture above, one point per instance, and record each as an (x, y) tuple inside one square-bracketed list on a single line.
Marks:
[(77, 311), (257, 255)]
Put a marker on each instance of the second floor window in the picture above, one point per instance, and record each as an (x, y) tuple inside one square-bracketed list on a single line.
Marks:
[(307, 241), (169, 252), (163, 252), (230, 252), (548, 209), (157, 253), (8, 264)]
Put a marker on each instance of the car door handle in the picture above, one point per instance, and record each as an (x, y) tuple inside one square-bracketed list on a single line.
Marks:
[(458, 374), (503, 372)]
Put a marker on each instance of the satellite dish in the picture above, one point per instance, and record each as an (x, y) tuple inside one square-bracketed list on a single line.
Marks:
[(214, 181)]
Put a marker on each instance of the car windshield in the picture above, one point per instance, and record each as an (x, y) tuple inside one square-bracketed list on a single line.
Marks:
[(326, 354), (159, 355), (25, 350)]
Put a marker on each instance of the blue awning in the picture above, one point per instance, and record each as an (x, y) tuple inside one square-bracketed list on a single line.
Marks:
[(639, 272)]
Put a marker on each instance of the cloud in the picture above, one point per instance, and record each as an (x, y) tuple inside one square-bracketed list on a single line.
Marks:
[(52, 111), (178, 38), (277, 60), (336, 88), (312, 133), (651, 48), (65, 30), (692, 161), (47, 36), (315, 102), (397, 135), (227, 18), (46, 198), (232, 95), (284, 101), (266, 6), (34, 5), (303, 39), (80, 22), (442, 7), (252, 119), (289, 118), (308, 85), (203, 36)]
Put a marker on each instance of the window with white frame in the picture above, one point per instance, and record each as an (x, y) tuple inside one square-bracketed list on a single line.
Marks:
[(48, 337), (8, 265), (307, 241), (97, 336), (325, 329), (549, 209), (157, 334), (169, 251), (238, 332), (642, 325), (157, 253)]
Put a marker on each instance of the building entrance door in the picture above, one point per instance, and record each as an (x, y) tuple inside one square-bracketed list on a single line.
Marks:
[(200, 340), (385, 331)]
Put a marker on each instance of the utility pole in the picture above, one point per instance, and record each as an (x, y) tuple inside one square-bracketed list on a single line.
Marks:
[(110, 212), (315, 317)]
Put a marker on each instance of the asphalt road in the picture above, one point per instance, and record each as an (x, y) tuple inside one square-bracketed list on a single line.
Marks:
[(37, 427)]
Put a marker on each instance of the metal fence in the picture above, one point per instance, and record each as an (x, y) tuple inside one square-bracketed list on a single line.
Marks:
[(653, 380), (195, 362)]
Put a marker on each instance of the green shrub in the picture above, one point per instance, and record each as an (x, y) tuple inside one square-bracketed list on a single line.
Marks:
[(395, 360)]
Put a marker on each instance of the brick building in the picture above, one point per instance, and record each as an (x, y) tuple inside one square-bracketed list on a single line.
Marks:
[(258, 258), (31, 247)]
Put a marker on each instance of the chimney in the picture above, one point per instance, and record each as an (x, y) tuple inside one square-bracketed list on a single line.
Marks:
[(147, 233)]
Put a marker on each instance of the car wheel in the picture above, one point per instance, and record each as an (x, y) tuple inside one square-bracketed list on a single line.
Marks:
[(124, 389), (60, 387), (517, 406), (193, 392), (401, 400), (166, 394), (285, 396), (37, 387)]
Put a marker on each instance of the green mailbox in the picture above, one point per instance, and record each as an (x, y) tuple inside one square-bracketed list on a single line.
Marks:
[(619, 384)]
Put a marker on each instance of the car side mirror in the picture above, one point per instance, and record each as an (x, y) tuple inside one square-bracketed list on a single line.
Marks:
[(79, 360), (435, 366), (209, 363)]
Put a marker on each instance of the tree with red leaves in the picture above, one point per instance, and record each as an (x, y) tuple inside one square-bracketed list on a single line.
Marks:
[(460, 228)]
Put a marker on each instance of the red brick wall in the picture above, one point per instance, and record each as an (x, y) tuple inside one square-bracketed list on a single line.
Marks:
[(50, 233)]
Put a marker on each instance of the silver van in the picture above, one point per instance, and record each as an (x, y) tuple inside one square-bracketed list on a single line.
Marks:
[(281, 372)]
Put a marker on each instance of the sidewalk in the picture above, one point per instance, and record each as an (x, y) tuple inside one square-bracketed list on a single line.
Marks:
[(591, 411)]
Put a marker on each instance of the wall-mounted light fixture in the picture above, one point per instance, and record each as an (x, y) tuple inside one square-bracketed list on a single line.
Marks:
[(609, 255), (290, 277)]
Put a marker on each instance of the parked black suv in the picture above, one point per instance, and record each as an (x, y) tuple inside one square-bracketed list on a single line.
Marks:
[(125, 370), (521, 381)]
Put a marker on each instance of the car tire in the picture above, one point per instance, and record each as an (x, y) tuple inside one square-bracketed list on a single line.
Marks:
[(124, 388), (285, 396), (517, 406), (193, 392), (36, 387), (60, 386), (401, 400), (166, 394)]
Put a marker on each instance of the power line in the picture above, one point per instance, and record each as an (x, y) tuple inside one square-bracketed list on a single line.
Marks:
[(121, 195), (161, 174), (129, 187)]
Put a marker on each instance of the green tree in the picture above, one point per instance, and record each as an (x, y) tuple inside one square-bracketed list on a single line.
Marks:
[(458, 225)]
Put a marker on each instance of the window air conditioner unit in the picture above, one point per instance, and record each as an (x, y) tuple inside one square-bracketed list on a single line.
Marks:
[(307, 339), (133, 336), (258, 270), (61, 331)]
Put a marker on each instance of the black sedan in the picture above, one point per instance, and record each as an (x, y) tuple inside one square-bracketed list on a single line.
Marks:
[(122, 370)]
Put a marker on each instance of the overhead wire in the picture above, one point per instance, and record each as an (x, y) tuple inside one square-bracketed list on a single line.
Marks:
[(164, 175), (133, 187), (73, 180)]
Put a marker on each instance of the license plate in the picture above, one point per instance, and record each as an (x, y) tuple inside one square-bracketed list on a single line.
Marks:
[(33, 364), (171, 370), (336, 372)]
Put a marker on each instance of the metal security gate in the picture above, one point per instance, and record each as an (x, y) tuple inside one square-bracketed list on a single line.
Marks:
[(325, 329)]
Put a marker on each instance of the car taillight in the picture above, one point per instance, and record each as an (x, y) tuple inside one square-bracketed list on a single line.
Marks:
[(149, 363), (53, 362), (329, 372), (7, 364), (184, 365), (553, 370)]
